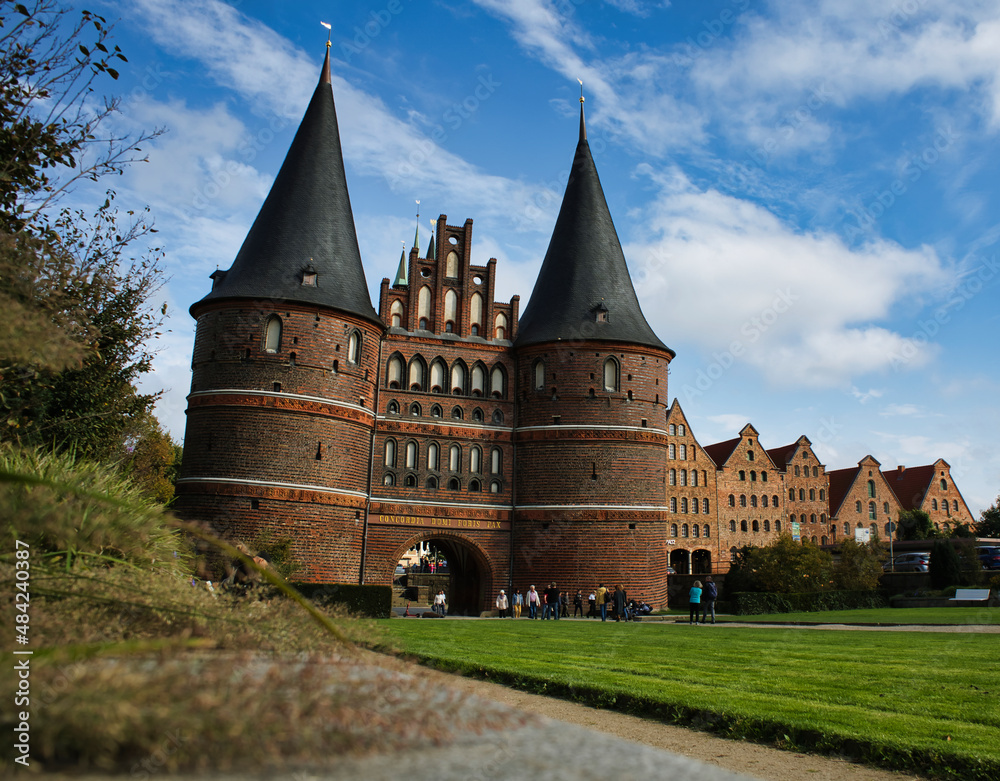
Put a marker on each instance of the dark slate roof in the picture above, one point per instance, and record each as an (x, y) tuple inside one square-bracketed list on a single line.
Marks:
[(584, 268), (779, 455), (841, 481), (305, 220)]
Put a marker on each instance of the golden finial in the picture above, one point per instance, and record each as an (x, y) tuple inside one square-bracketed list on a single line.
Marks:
[(329, 32)]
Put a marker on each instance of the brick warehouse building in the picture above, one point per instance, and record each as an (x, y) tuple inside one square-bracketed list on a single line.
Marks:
[(529, 448)]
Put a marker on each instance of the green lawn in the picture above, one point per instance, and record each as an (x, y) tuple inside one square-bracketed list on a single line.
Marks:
[(886, 616), (909, 700)]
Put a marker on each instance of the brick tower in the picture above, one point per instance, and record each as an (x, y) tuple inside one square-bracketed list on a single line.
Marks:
[(590, 436), (280, 418)]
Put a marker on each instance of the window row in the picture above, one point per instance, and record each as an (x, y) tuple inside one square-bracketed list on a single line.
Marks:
[(681, 477), (457, 413), (812, 494), (753, 500), (273, 328), (871, 508), (432, 483), (433, 457), (456, 379), (754, 526), (695, 531), (688, 507), (944, 504), (805, 471), (812, 518), (425, 313), (680, 451), (753, 476), (611, 375), (676, 430)]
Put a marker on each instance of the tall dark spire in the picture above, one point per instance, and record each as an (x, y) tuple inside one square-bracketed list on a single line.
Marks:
[(305, 220), (584, 290)]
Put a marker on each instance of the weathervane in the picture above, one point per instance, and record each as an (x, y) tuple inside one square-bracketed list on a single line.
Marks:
[(581, 89), (416, 233), (329, 33)]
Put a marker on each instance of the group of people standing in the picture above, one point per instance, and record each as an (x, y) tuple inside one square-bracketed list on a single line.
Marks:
[(701, 600)]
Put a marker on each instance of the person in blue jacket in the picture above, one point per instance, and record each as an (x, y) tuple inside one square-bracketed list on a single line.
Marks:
[(694, 602), (708, 596)]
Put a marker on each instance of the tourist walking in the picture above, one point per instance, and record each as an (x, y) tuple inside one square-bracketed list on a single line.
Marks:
[(517, 602), (546, 602), (502, 603), (556, 604), (708, 596), (603, 597), (619, 603), (578, 603), (694, 602), (440, 605), (533, 599), (592, 605)]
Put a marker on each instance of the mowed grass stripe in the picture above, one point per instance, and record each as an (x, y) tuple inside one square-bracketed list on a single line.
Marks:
[(896, 698)]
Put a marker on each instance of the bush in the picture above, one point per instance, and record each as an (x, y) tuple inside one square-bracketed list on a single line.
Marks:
[(754, 604), (945, 568), (370, 601)]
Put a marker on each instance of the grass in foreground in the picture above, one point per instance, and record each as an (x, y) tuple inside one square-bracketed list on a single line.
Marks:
[(914, 701), (887, 616)]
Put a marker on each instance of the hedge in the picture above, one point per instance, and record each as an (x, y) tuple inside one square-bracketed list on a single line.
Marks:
[(747, 603), (369, 601)]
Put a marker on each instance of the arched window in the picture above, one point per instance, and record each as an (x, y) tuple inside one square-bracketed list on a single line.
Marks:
[(424, 305), (673, 504), (672, 477), (792, 518), (847, 529), (871, 510), (476, 310), (477, 415), (495, 487), (753, 500), (432, 456), (410, 481), (454, 458), (393, 408), (390, 452), (415, 378), (934, 504), (743, 500), (695, 530), (396, 313), (944, 485), (749, 455), (456, 413), (743, 526), (822, 517), (763, 500), (411, 456), (415, 410), (438, 373), (451, 265), (763, 476), (673, 530), (685, 531), (458, 379), (432, 483), (498, 383), (684, 505), (389, 479), (802, 495), (732, 500), (684, 477), (954, 503), (539, 372), (684, 452), (475, 486), (497, 417), (812, 518), (395, 373), (885, 507), (756, 526), (732, 527), (812, 494), (478, 380), (272, 334), (694, 478), (777, 526), (704, 507), (857, 506), (753, 475), (815, 471), (767, 526), (354, 347), (611, 375), (774, 500), (454, 484), (743, 475), (681, 430), (435, 410), (496, 461), (791, 494), (871, 489), (451, 307), (500, 326), (475, 460)]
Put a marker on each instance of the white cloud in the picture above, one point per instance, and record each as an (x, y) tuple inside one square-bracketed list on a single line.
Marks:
[(894, 410), (801, 307)]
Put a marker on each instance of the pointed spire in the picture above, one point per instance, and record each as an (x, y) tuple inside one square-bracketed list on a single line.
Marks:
[(306, 218), (583, 290), (416, 232), (583, 121), (400, 280), (431, 253)]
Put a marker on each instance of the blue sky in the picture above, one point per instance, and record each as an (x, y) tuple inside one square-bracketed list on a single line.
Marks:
[(807, 193)]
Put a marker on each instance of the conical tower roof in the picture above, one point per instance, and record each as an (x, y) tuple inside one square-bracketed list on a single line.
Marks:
[(306, 221), (583, 290)]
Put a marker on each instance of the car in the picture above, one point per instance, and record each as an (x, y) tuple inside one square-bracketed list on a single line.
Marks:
[(908, 562), (988, 556), (671, 571)]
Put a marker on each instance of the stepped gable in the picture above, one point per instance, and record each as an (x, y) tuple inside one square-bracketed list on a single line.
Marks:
[(305, 226), (584, 290)]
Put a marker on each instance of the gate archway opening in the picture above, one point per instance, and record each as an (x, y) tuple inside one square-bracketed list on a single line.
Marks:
[(701, 562), (451, 564), (680, 560)]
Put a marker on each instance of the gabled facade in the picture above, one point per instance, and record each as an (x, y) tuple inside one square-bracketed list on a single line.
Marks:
[(931, 488), (860, 497), (806, 502), (692, 499)]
